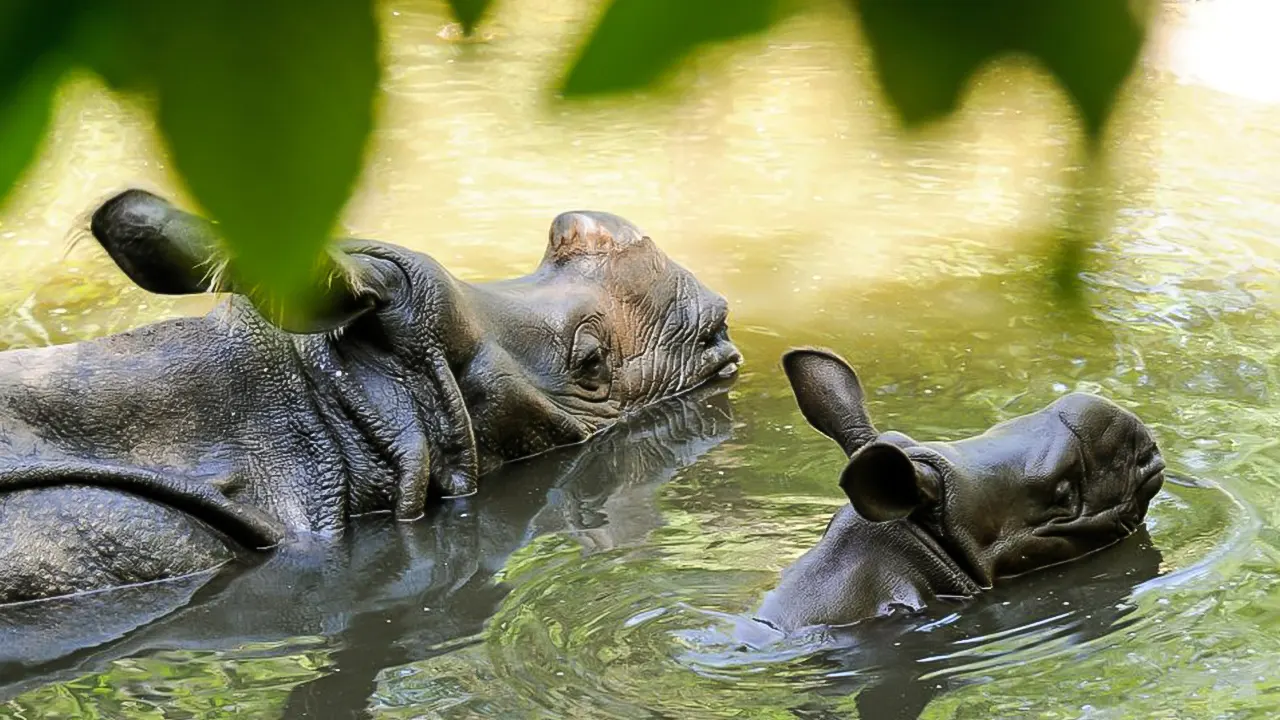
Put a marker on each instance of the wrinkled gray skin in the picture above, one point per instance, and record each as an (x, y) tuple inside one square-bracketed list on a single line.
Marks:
[(937, 519), (166, 450), (384, 593)]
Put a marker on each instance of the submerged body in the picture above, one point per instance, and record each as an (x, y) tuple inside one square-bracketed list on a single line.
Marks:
[(930, 520), (166, 450), (366, 590)]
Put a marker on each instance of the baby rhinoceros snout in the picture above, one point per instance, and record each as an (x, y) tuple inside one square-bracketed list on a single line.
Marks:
[(1119, 446)]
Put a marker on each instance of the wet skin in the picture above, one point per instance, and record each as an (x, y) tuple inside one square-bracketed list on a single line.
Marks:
[(935, 519), (170, 449), (385, 593)]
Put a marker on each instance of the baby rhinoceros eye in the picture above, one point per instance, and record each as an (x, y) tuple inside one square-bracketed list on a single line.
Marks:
[(1064, 494)]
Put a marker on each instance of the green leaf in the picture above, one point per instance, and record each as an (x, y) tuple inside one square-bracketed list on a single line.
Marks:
[(107, 41), (469, 12), (32, 33), (926, 50), (637, 42), (24, 117), (267, 106)]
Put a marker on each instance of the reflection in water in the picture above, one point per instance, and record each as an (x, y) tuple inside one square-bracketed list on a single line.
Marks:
[(777, 181), (388, 592), (895, 666), (898, 671)]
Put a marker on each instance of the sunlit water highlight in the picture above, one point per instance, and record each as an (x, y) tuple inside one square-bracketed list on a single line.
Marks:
[(778, 180)]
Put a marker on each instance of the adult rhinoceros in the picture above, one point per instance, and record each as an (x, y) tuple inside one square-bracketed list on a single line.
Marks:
[(166, 450)]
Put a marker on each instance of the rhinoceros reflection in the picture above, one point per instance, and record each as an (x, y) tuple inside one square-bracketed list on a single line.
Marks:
[(386, 593), (898, 665)]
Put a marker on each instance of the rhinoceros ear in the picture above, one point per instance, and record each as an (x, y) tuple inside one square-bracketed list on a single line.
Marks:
[(170, 252), (884, 484), (162, 249), (585, 233), (830, 396)]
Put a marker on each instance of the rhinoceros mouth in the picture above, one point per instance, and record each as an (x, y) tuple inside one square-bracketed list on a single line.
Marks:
[(726, 366), (730, 367), (1152, 477), (961, 570)]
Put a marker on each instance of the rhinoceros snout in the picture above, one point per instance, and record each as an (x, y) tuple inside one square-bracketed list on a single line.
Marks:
[(1151, 468)]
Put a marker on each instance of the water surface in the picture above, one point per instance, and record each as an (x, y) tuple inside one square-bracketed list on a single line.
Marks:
[(778, 179)]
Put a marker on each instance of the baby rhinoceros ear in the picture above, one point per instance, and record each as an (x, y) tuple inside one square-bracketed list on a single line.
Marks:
[(884, 484), (830, 396)]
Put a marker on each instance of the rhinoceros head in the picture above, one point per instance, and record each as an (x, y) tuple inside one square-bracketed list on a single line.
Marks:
[(1033, 491), (605, 324)]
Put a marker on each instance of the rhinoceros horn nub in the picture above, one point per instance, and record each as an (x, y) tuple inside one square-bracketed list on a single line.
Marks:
[(584, 232)]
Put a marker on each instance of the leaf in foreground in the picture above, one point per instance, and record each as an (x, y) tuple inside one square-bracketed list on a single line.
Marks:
[(926, 51), (468, 13), (638, 42), (32, 63), (267, 107)]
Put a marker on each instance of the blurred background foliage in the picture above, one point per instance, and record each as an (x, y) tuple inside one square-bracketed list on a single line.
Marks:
[(266, 106)]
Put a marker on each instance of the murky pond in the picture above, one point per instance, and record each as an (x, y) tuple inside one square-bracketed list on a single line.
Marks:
[(602, 581)]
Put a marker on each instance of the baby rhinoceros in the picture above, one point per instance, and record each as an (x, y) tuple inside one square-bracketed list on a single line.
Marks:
[(169, 449), (936, 519)]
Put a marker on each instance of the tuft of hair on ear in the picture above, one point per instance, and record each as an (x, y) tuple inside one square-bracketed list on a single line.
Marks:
[(343, 267), (215, 278), (73, 238), (81, 227), (333, 267), (224, 315)]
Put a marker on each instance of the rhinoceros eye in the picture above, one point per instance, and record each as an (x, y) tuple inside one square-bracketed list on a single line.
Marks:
[(590, 363), (1064, 494), (717, 331), (593, 366)]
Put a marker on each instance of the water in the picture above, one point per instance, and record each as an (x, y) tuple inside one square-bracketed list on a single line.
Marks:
[(604, 581)]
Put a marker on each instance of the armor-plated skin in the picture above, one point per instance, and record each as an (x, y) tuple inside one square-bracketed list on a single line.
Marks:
[(164, 451)]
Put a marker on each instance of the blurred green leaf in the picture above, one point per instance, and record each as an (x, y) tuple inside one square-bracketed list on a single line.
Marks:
[(267, 107), (469, 12), (637, 42), (31, 30), (926, 50), (107, 41), (32, 33), (24, 116)]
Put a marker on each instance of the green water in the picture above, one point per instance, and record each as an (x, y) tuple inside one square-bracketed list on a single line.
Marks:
[(778, 180)]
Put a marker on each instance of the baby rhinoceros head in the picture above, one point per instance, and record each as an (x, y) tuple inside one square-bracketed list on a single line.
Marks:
[(1030, 492)]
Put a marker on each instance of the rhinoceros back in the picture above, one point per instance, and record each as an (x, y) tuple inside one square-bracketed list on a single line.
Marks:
[(70, 539), (139, 456), (219, 399)]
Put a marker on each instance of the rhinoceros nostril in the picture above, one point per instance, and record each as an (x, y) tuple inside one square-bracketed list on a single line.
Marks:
[(1149, 459)]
